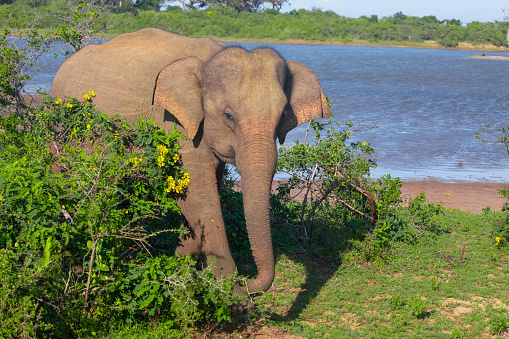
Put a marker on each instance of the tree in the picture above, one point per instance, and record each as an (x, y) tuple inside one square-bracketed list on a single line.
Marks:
[(236, 5), (277, 4), (398, 17), (191, 4), (148, 4)]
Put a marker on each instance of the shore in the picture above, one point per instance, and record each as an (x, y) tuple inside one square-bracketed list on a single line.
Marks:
[(428, 44), (471, 197), (465, 196), (397, 44)]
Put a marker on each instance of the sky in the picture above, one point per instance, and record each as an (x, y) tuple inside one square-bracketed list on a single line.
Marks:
[(464, 10)]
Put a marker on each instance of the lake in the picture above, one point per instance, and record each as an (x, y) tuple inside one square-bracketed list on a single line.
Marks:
[(428, 104)]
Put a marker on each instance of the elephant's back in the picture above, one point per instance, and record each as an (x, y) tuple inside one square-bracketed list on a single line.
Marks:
[(122, 71)]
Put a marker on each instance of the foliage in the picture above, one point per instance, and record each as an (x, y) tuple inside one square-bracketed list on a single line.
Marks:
[(498, 322), (79, 226), (398, 226), (17, 62), (236, 5), (396, 302), (387, 193), (77, 29), (224, 22), (417, 307), (331, 175)]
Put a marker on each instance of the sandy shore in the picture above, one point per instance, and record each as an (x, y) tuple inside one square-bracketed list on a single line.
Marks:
[(471, 197)]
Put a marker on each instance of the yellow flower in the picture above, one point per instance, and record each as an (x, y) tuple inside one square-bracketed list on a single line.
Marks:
[(59, 101), (86, 97), (160, 161), (364, 143), (163, 150), (92, 93), (63, 206), (88, 127), (69, 105), (497, 240), (176, 157), (136, 161), (171, 184), (448, 194)]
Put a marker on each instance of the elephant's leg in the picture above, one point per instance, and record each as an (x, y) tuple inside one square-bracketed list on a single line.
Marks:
[(202, 210)]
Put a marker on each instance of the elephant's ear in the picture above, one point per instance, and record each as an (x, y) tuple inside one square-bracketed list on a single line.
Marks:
[(305, 99), (178, 90)]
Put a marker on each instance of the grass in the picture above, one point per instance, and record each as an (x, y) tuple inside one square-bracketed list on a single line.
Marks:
[(418, 293)]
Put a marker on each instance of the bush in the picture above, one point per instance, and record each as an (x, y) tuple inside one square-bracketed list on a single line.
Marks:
[(79, 226), (331, 174), (402, 225)]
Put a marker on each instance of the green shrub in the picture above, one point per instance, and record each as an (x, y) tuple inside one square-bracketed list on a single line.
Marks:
[(331, 174), (401, 225), (497, 319), (79, 226), (418, 307), (396, 302)]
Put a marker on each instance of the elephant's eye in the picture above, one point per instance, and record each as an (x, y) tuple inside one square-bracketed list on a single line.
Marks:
[(228, 116)]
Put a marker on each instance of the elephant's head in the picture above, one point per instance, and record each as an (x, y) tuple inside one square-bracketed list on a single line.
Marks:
[(245, 101)]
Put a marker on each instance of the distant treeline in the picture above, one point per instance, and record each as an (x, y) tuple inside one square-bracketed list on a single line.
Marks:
[(314, 25)]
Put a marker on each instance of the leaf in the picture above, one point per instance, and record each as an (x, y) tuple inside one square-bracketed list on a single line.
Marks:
[(47, 249), (90, 244), (102, 267)]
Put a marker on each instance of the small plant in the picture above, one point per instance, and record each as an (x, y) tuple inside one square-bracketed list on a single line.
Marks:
[(418, 307), (498, 323), (434, 283), (500, 231), (456, 334), (396, 302)]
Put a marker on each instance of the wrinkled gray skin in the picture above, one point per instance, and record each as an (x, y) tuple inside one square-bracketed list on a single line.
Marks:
[(231, 105)]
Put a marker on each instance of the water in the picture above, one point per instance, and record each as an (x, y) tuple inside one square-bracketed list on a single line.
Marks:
[(428, 104)]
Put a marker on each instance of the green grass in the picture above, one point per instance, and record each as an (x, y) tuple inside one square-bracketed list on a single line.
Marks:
[(415, 294)]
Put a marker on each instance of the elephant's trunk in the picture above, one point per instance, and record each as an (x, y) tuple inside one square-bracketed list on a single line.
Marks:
[(256, 163)]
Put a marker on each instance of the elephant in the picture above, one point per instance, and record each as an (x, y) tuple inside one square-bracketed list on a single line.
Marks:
[(231, 104)]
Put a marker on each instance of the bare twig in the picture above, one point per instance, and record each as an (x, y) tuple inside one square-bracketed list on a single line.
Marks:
[(450, 259), (91, 263)]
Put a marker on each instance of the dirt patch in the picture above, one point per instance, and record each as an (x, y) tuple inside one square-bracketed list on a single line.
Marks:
[(462, 310), (471, 197)]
